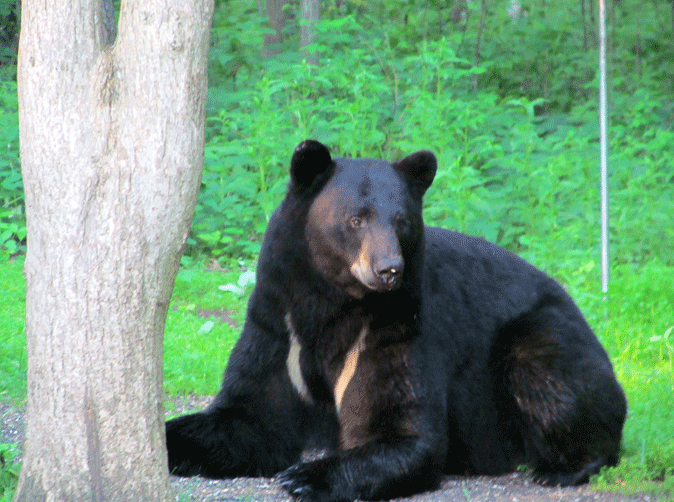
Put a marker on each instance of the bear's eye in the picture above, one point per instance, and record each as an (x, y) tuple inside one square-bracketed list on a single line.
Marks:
[(401, 222), (356, 222)]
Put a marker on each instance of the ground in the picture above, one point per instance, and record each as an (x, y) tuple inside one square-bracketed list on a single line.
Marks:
[(511, 488)]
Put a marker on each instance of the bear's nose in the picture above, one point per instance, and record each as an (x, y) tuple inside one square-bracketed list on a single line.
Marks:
[(389, 272)]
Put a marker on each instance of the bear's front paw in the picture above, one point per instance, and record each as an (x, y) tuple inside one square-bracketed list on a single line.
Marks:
[(308, 482)]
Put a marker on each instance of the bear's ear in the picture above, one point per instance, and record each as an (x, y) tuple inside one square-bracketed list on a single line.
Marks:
[(311, 162), (419, 167)]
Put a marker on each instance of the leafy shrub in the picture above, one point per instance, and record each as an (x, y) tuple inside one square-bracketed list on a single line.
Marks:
[(9, 471), (518, 158), (518, 163), (12, 221)]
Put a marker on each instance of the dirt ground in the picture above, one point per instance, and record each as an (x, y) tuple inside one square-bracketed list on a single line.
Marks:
[(516, 487)]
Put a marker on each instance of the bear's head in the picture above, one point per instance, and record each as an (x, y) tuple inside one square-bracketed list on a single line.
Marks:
[(364, 224)]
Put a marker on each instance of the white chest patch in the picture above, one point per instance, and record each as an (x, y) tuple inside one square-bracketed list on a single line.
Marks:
[(350, 365), (293, 363)]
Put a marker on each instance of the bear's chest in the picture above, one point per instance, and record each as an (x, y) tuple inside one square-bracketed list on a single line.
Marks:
[(321, 366), (368, 383)]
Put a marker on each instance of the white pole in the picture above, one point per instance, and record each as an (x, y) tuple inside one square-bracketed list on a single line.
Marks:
[(603, 148)]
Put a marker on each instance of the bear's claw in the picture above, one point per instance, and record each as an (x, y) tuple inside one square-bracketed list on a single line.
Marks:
[(306, 482)]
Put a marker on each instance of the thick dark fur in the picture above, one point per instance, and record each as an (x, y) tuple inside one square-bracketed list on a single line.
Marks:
[(410, 351)]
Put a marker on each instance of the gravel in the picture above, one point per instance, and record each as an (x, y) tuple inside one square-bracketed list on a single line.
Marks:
[(516, 487), (512, 487)]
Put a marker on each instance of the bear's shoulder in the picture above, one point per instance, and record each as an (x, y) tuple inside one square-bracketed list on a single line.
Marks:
[(447, 247)]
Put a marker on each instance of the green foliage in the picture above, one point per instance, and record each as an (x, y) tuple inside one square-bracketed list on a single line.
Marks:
[(12, 336), (9, 31), (518, 160), (202, 326), (9, 471), (636, 325), (12, 221), (237, 27)]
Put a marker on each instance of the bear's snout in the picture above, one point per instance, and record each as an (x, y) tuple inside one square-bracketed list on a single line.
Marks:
[(380, 265), (390, 272)]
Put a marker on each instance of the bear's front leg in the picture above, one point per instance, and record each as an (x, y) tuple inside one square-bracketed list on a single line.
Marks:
[(229, 442), (392, 443), (375, 471)]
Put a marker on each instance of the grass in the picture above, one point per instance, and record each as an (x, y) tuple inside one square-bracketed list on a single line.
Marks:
[(196, 346), (12, 335), (635, 323)]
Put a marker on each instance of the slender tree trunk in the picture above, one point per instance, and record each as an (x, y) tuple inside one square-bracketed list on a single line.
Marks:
[(261, 8), (483, 8), (637, 42), (111, 153), (582, 14), (277, 20), (311, 11)]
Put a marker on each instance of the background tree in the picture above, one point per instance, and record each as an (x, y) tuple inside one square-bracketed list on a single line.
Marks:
[(111, 153), (277, 20), (311, 11), (476, 61)]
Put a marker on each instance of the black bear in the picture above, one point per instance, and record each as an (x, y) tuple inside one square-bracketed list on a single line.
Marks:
[(407, 351)]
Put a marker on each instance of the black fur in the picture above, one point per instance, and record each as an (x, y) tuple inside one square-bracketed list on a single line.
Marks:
[(469, 359)]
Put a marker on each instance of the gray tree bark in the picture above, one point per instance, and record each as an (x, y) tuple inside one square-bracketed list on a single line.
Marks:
[(277, 20), (111, 150), (483, 7), (311, 12)]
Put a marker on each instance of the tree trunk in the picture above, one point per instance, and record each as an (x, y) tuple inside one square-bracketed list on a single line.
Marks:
[(311, 11), (111, 153), (277, 20), (582, 15), (637, 42), (483, 8)]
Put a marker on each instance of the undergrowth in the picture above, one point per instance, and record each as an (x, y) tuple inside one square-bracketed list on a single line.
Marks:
[(518, 158), (9, 471), (635, 322), (12, 335)]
